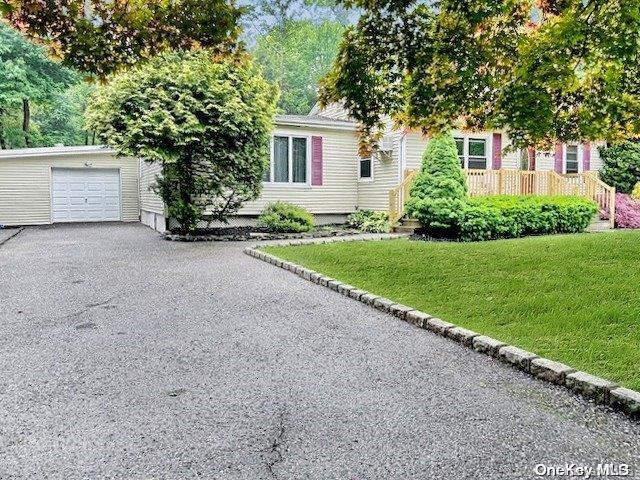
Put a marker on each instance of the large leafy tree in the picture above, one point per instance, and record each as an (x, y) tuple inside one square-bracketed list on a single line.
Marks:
[(546, 71), (206, 119), (27, 76), (104, 36), (295, 56)]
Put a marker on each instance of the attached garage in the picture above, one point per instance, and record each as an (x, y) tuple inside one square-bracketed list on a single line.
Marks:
[(67, 184)]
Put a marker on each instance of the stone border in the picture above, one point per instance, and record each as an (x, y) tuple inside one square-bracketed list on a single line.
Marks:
[(5, 240), (260, 236), (595, 388)]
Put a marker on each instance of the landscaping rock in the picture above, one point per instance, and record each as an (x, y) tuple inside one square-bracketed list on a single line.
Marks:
[(345, 288), (368, 298), (439, 326), (488, 345), (383, 304), (590, 386), (334, 284), (355, 293), (626, 400), (418, 318), (399, 310), (516, 356), (324, 281), (462, 335), (306, 274), (550, 371)]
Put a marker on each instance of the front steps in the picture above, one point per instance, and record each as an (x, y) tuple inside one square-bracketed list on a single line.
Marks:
[(407, 225), (599, 226)]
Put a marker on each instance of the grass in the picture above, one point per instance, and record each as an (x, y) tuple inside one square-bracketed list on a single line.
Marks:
[(571, 298)]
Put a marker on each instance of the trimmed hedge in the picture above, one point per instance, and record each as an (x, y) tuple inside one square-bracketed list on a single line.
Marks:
[(503, 216), (284, 217)]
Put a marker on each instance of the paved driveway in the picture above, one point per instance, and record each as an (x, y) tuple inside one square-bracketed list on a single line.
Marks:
[(125, 356)]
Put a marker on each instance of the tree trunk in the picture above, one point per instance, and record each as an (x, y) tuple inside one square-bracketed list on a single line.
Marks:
[(3, 142), (26, 120)]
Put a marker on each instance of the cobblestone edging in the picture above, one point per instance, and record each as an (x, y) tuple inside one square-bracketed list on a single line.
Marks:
[(595, 388)]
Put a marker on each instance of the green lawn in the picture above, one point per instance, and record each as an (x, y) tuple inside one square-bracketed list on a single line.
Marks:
[(571, 298)]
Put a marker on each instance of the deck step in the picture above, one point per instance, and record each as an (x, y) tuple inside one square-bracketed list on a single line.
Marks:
[(407, 225), (599, 226)]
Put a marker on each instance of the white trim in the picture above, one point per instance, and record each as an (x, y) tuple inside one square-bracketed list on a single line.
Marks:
[(290, 182), (328, 124), (55, 151), (580, 155), (365, 179), (402, 156)]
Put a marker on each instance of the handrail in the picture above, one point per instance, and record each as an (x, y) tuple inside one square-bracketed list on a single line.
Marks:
[(519, 182), (398, 197)]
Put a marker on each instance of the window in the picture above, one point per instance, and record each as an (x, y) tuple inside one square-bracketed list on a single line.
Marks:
[(472, 152), (366, 169), (289, 159), (571, 159)]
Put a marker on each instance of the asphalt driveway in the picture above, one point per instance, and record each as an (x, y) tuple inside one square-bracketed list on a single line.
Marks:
[(126, 356)]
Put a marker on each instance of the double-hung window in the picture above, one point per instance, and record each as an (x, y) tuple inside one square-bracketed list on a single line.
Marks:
[(571, 159), (365, 170), (289, 160), (472, 152)]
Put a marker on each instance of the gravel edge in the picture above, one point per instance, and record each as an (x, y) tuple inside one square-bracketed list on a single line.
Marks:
[(597, 389)]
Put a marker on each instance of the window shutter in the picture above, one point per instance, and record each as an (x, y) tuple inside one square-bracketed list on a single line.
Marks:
[(558, 160), (586, 157), (497, 151), (316, 161)]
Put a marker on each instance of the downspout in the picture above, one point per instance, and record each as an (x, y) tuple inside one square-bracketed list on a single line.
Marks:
[(402, 156)]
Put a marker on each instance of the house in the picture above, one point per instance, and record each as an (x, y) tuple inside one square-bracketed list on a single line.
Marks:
[(314, 163)]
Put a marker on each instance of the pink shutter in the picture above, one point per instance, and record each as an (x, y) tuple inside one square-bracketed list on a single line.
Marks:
[(586, 157), (558, 160), (316, 161), (497, 151)]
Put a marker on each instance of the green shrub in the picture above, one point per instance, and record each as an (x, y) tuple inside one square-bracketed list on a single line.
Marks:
[(439, 191), (488, 218), (635, 194), (621, 167), (285, 217), (369, 221)]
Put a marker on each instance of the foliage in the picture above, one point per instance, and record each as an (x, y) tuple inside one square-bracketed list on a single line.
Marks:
[(635, 194), (369, 221), (295, 57), (627, 211), (286, 217), (621, 167), (493, 217), (439, 191), (27, 77), (103, 36), (570, 298), (206, 120), (556, 71)]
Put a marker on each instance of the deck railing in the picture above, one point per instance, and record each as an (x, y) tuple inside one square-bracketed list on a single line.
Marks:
[(519, 182)]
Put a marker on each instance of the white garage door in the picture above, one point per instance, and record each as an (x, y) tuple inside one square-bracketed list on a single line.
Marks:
[(85, 194)]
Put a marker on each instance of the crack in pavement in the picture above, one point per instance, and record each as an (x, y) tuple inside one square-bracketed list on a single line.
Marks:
[(13, 235), (275, 450), (89, 306)]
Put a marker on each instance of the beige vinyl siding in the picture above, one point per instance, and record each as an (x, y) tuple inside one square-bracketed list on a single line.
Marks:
[(334, 110), (25, 184), (374, 195), (337, 194), (149, 200)]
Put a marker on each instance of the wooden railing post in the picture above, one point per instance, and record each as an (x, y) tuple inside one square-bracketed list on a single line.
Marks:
[(612, 208)]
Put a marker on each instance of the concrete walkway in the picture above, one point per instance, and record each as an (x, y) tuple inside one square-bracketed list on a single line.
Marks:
[(126, 356)]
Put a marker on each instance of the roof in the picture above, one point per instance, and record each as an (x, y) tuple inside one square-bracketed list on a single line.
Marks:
[(54, 151), (314, 121)]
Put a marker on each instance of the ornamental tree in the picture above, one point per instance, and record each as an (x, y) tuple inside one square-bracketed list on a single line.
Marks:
[(545, 70), (205, 119), (101, 37), (439, 192)]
